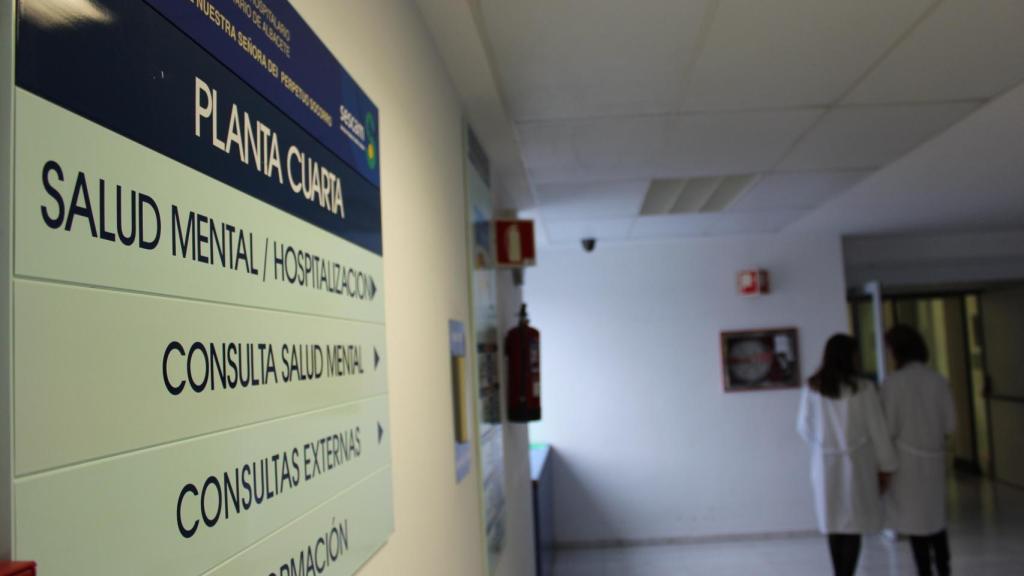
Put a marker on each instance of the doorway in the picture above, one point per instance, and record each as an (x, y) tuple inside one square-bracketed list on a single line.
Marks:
[(951, 326)]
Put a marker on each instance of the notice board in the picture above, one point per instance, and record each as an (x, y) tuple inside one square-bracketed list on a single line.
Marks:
[(486, 354), (198, 380)]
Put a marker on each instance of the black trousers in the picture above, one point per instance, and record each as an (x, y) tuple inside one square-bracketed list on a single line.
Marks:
[(845, 549), (928, 549)]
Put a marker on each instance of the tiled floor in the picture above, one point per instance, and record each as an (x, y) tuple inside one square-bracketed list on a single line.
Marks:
[(986, 537)]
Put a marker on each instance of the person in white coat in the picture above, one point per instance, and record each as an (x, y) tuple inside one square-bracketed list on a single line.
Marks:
[(841, 418), (920, 415)]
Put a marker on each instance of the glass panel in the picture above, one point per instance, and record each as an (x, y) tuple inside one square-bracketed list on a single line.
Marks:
[(940, 322), (956, 361), (888, 314), (979, 400), (865, 336)]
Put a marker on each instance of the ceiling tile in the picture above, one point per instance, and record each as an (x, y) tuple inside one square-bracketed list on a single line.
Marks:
[(671, 226), (634, 148), (867, 137), (577, 58), (567, 231), (965, 50), (585, 200), (718, 224), (793, 53), (753, 223), (967, 179), (794, 190)]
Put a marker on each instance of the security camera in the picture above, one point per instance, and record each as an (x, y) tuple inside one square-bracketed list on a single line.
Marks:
[(588, 244)]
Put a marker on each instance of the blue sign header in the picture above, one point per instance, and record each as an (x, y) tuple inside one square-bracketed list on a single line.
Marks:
[(135, 73), (270, 46)]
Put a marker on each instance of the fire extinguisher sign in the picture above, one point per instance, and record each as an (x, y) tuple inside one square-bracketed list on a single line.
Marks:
[(514, 243)]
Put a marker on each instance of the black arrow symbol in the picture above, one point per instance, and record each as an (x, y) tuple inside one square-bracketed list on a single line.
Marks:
[(376, 358), (373, 288), (380, 432)]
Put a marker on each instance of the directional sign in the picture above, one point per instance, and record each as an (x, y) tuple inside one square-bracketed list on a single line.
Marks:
[(200, 384)]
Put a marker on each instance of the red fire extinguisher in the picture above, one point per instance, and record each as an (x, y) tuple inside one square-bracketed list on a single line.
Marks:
[(522, 349)]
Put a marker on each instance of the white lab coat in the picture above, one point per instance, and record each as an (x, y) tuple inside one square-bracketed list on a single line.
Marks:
[(849, 445), (920, 414)]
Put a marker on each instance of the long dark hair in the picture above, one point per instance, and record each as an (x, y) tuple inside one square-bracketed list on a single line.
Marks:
[(838, 367), (907, 345)]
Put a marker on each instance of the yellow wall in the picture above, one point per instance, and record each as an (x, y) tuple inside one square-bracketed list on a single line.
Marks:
[(386, 48)]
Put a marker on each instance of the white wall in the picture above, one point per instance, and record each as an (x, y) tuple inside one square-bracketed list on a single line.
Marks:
[(438, 524), (647, 445)]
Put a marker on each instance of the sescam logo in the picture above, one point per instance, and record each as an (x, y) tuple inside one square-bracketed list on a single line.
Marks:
[(362, 135), (352, 127), (371, 146)]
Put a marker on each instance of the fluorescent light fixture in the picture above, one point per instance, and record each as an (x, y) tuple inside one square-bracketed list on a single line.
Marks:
[(694, 195)]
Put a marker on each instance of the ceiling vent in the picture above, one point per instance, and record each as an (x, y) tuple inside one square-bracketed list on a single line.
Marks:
[(694, 195)]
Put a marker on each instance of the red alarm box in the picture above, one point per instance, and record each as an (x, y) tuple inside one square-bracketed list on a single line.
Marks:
[(17, 569), (753, 282)]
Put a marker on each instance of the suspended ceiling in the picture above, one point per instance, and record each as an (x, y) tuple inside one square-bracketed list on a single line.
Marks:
[(596, 108)]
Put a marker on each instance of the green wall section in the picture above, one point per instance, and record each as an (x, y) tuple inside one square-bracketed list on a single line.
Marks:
[(7, 36)]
